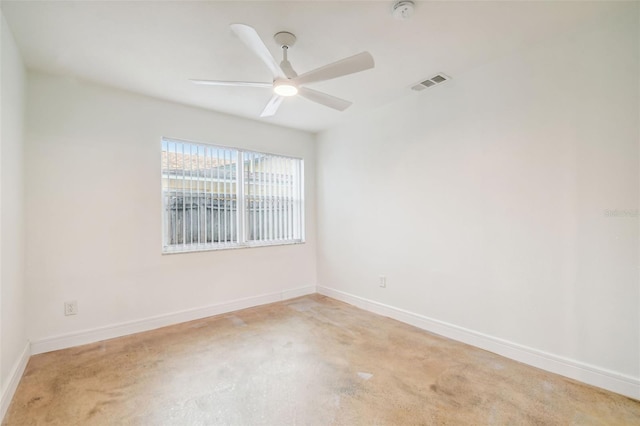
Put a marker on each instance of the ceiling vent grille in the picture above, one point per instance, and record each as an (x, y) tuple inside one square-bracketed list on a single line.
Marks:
[(430, 82)]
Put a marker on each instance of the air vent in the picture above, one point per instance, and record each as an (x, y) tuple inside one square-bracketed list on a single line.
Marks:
[(436, 79)]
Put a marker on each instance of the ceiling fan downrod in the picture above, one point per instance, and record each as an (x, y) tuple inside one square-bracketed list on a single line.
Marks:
[(286, 40)]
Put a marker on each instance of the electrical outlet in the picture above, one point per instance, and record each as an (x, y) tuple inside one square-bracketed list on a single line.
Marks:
[(383, 281), (71, 308)]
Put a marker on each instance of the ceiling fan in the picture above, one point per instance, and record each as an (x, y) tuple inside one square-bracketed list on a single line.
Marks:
[(286, 82)]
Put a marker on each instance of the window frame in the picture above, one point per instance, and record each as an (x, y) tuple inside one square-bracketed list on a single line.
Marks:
[(241, 205)]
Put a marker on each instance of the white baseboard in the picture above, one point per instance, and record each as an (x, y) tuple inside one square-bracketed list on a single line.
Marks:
[(14, 379), (596, 376), (297, 292), (117, 330), (610, 380)]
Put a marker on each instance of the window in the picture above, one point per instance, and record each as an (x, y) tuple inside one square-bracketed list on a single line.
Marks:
[(216, 197)]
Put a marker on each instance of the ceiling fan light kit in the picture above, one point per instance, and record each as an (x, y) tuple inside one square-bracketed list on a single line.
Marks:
[(286, 82), (285, 88)]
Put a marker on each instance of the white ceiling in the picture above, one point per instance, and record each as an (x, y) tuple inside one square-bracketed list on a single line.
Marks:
[(154, 47)]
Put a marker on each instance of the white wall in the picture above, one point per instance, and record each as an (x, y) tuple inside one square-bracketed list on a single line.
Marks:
[(12, 303), (484, 200), (94, 210)]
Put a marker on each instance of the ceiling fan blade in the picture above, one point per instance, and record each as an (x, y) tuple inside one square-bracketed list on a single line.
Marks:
[(272, 106), (232, 83), (356, 63), (252, 40), (324, 99)]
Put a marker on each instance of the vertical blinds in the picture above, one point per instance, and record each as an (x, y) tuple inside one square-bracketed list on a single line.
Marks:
[(217, 197), (272, 197)]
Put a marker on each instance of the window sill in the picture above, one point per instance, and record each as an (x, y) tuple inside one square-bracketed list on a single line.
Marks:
[(183, 250)]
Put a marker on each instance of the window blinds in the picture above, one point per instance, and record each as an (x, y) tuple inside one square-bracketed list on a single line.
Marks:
[(216, 197), (273, 200)]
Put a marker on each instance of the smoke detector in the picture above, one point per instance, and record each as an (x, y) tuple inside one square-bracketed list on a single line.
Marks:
[(402, 9)]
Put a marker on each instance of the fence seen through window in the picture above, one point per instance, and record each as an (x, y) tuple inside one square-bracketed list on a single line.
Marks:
[(216, 197)]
